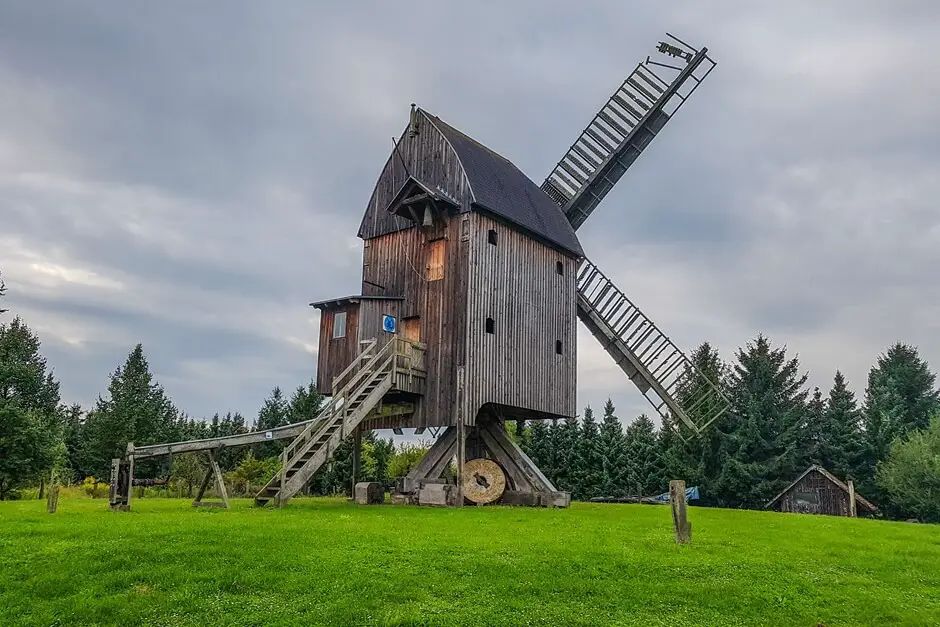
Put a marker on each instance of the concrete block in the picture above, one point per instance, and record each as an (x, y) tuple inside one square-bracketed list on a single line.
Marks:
[(556, 499), (369, 493), (438, 495)]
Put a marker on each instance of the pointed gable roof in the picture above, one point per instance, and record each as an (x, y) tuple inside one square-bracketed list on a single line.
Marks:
[(502, 189), (832, 478)]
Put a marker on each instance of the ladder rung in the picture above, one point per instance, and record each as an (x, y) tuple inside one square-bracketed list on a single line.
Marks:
[(626, 106), (606, 131), (596, 155), (587, 169), (600, 140), (564, 179), (636, 98), (578, 176), (614, 111), (641, 72), (641, 89), (614, 124)]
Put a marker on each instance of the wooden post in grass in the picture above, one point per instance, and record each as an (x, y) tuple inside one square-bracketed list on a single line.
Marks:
[(851, 485), (680, 521), (52, 495)]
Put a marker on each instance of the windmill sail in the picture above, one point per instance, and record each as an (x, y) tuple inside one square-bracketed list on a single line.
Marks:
[(623, 128), (610, 144), (646, 355)]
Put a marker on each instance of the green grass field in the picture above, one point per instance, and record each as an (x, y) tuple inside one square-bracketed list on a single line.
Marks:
[(327, 562)]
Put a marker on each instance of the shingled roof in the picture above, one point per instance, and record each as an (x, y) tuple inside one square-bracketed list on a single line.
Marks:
[(502, 189)]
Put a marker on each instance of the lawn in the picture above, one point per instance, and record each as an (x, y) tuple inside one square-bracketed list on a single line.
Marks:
[(327, 562)]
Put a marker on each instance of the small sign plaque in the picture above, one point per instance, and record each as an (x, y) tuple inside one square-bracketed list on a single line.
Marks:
[(389, 324)]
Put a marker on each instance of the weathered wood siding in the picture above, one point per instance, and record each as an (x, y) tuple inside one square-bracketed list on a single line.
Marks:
[(400, 264), (371, 313), (335, 354), (430, 159), (815, 494), (516, 284)]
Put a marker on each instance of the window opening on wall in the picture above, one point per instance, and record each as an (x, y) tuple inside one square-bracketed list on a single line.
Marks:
[(560, 268), (491, 237), (558, 347), (490, 325), (436, 260), (339, 325)]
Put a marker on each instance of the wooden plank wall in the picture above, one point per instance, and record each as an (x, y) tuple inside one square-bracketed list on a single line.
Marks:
[(516, 284), (397, 264), (334, 355), (371, 313), (833, 500)]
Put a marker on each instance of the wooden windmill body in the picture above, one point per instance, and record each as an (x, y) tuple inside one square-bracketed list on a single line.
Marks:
[(473, 280)]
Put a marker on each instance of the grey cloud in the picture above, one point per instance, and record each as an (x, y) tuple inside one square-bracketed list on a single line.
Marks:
[(213, 164)]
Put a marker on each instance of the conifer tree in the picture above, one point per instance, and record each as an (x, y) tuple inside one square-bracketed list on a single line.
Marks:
[(645, 458), (841, 441), (136, 410), (230, 424), (275, 412), (567, 435), (697, 459), (588, 469), (3, 292), (305, 403), (73, 435), (815, 429), (762, 453), (615, 467), (901, 396), (31, 437), (538, 446)]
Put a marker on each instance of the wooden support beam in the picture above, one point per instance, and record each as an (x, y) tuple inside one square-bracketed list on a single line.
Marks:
[(356, 459), (513, 458), (680, 522), (287, 432), (434, 462), (852, 510), (212, 471)]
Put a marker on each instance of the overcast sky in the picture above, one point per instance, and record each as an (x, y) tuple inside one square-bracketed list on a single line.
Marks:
[(192, 175)]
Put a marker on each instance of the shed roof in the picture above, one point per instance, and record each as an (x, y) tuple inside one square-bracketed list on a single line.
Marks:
[(502, 189), (348, 300), (831, 477)]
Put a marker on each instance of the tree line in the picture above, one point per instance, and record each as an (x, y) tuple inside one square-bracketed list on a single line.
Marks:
[(888, 442)]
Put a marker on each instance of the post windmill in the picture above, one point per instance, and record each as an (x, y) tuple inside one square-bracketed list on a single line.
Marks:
[(473, 281)]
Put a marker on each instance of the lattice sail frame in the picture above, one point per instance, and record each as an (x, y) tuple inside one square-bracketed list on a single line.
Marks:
[(632, 117)]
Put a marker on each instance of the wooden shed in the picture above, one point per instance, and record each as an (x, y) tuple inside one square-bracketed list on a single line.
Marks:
[(818, 491)]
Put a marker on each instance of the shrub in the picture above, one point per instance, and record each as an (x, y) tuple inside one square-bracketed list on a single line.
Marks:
[(911, 474), (92, 487)]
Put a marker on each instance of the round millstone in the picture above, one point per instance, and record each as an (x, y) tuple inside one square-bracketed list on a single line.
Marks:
[(483, 481)]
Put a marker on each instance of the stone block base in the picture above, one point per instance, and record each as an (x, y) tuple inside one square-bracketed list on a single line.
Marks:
[(369, 493)]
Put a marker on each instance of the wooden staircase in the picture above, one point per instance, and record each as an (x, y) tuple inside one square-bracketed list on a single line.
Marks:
[(356, 393)]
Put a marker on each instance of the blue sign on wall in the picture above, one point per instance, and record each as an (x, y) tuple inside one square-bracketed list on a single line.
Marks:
[(389, 324)]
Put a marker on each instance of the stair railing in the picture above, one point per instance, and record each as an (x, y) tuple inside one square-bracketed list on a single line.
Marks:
[(382, 362)]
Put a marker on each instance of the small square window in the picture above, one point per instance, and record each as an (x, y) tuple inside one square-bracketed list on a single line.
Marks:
[(490, 325), (339, 325), (491, 237), (558, 347), (560, 268)]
